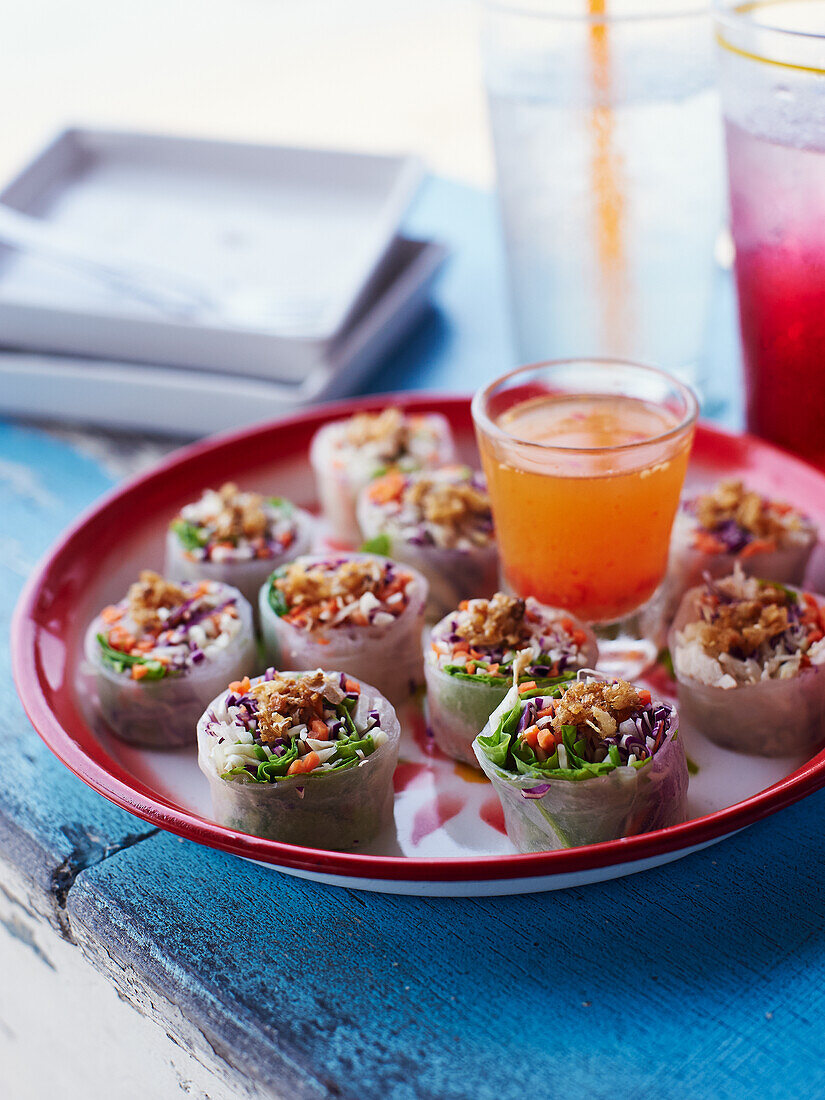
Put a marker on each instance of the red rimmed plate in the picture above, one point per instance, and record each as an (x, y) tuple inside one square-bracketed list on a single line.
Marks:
[(448, 837)]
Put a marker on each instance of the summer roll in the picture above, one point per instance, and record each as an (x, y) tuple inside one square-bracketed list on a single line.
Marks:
[(301, 757), (592, 761)]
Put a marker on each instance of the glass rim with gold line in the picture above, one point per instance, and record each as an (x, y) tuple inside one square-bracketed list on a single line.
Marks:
[(780, 34), (585, 461)]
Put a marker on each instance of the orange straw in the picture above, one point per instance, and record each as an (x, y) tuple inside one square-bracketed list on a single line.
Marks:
[(606, 171)]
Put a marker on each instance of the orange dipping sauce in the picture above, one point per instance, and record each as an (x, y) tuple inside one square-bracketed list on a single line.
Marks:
[(583, 521)]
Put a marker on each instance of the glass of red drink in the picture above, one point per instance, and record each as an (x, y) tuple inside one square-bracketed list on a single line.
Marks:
[(772, 74)]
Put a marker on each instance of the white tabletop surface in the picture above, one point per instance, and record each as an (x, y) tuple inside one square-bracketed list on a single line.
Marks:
[(377, 75)]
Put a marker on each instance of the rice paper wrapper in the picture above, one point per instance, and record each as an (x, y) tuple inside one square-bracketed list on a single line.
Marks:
[(338, 486), (457, 710), (338, 810), (390, 657), (246, 576), (769, 718), (163, 714), (453, 575), (569, 814), (687, 565)]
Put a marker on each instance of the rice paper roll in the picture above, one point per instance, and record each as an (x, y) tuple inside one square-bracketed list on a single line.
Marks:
[(162, 653), (468, 663), (731, 525), (236, 538), (301, 757), (749, 660), (359, 613), (564, 782), (440, 523), (347, 455)]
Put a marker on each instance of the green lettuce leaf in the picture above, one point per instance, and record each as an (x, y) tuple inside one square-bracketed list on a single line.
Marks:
[(545, 683), (120, 662), (190, 536), (379, 544), (497, 744), (277, 600), (511, 755), (348, 749)]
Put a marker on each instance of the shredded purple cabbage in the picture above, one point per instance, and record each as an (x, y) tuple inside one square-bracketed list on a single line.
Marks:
[(536, 792)]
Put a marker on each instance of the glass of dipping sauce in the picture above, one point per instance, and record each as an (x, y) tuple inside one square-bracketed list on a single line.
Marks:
[(585, 461)]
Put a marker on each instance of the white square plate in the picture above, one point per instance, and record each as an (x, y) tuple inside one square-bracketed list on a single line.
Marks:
[(189, 403), (304, 230)]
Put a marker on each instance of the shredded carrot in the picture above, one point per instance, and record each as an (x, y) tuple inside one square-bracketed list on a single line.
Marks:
[(352, 686), (645, 697), (120, 638), (397, 585), (240, 687), (758, 546), (547, 740), (579, 637), (493, 669), (111, 614), (463, 605), (708, 543), (813, 614), (387, 488), (320, 729), (139, 671), (568, 625), (303, 764), (545, 712), (531, 735), (203, 587), (528, 685)]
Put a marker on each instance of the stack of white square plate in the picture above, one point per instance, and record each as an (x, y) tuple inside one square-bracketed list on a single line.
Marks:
[(306, 240)]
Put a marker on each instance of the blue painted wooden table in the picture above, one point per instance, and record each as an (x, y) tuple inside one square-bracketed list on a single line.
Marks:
[(704, 978)]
